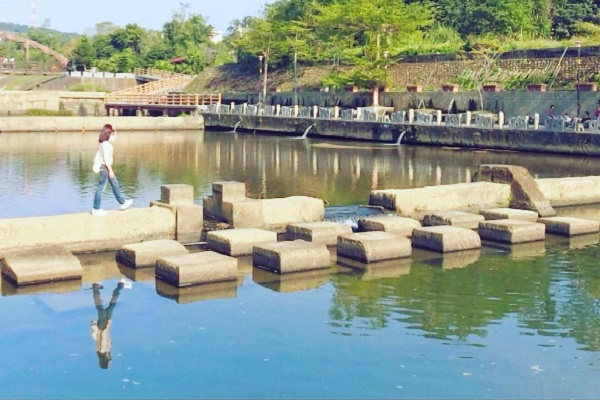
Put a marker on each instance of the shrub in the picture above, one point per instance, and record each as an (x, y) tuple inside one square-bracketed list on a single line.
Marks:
[(40, 112)]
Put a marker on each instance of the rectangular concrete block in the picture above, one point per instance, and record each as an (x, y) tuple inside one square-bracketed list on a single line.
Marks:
[(417, 202), (368, 247), (454, 218), (325, 232), (177, 194), (288, 257), (145, 254), (445, 238), (40, 265), (392, 224), (228, 191), (189, 221), (196, 268), (239, 241), (509, 213), (512, 231), (278, 213), (567, 226), (247, 213)]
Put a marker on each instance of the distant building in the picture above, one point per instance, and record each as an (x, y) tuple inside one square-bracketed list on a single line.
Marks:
[(216, 36)]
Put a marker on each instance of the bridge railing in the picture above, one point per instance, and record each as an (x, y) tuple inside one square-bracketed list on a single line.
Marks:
[(164, 85), (171, 99), (157, 73)]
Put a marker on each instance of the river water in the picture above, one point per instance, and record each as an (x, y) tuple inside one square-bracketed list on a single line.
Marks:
[(502, 322)]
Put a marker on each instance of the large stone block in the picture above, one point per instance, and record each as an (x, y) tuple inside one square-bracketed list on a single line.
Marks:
[(509, 213), (569, 191), (145, 254), (512, 231), (453, 218), (246, 213), (525, 192), (445, 238), (196, 268), (368, 247), (87, 233), (228, 191), (417, 202), (295, 256), (278, 213), (40, 265), (567, 226), (238, 242), (189, 221), (177, 194), (325, 232), (392, 224)]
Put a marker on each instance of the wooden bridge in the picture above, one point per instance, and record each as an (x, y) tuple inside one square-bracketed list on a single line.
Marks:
[(162, 95)]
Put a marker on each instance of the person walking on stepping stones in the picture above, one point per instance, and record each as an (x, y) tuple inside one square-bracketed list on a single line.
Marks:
[(101, 327), (103, 164)]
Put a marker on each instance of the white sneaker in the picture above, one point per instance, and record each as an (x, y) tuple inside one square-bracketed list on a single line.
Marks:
[(127, 204), (98, 212)]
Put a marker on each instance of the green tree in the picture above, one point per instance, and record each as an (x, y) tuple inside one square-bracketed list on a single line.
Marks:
[(375, 27), (83, 55)]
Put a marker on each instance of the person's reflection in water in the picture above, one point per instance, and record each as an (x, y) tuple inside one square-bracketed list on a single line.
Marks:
[(101, 327)]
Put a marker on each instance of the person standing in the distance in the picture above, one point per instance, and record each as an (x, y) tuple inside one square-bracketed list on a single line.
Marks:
[(103, 164)]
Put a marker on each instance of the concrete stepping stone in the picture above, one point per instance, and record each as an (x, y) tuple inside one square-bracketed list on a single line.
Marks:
[(393, 224), (40, 265), (145, 254), (368, 247), (177, 194), (238, 242), (196, 268), (512, 231), (325, 232), (287, 257), (509, 213), (445, 238), (459, 219), (568, 226)]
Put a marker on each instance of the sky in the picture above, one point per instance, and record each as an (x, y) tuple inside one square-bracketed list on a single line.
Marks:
[(81, 16)]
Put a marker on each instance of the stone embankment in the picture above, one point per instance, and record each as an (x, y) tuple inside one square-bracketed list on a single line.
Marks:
[(504, 206)]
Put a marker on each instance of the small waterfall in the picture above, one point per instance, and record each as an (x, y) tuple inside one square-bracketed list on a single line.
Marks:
[(400, 138), (236, 125), (305, 134)]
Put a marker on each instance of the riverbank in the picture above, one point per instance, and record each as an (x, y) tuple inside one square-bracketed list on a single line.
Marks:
[(85, 124)]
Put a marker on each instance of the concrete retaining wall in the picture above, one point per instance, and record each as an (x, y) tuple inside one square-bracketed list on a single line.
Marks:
[(84, 124), (562, 142)]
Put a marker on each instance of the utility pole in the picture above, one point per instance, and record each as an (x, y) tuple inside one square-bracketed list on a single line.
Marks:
[(260, 72)]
